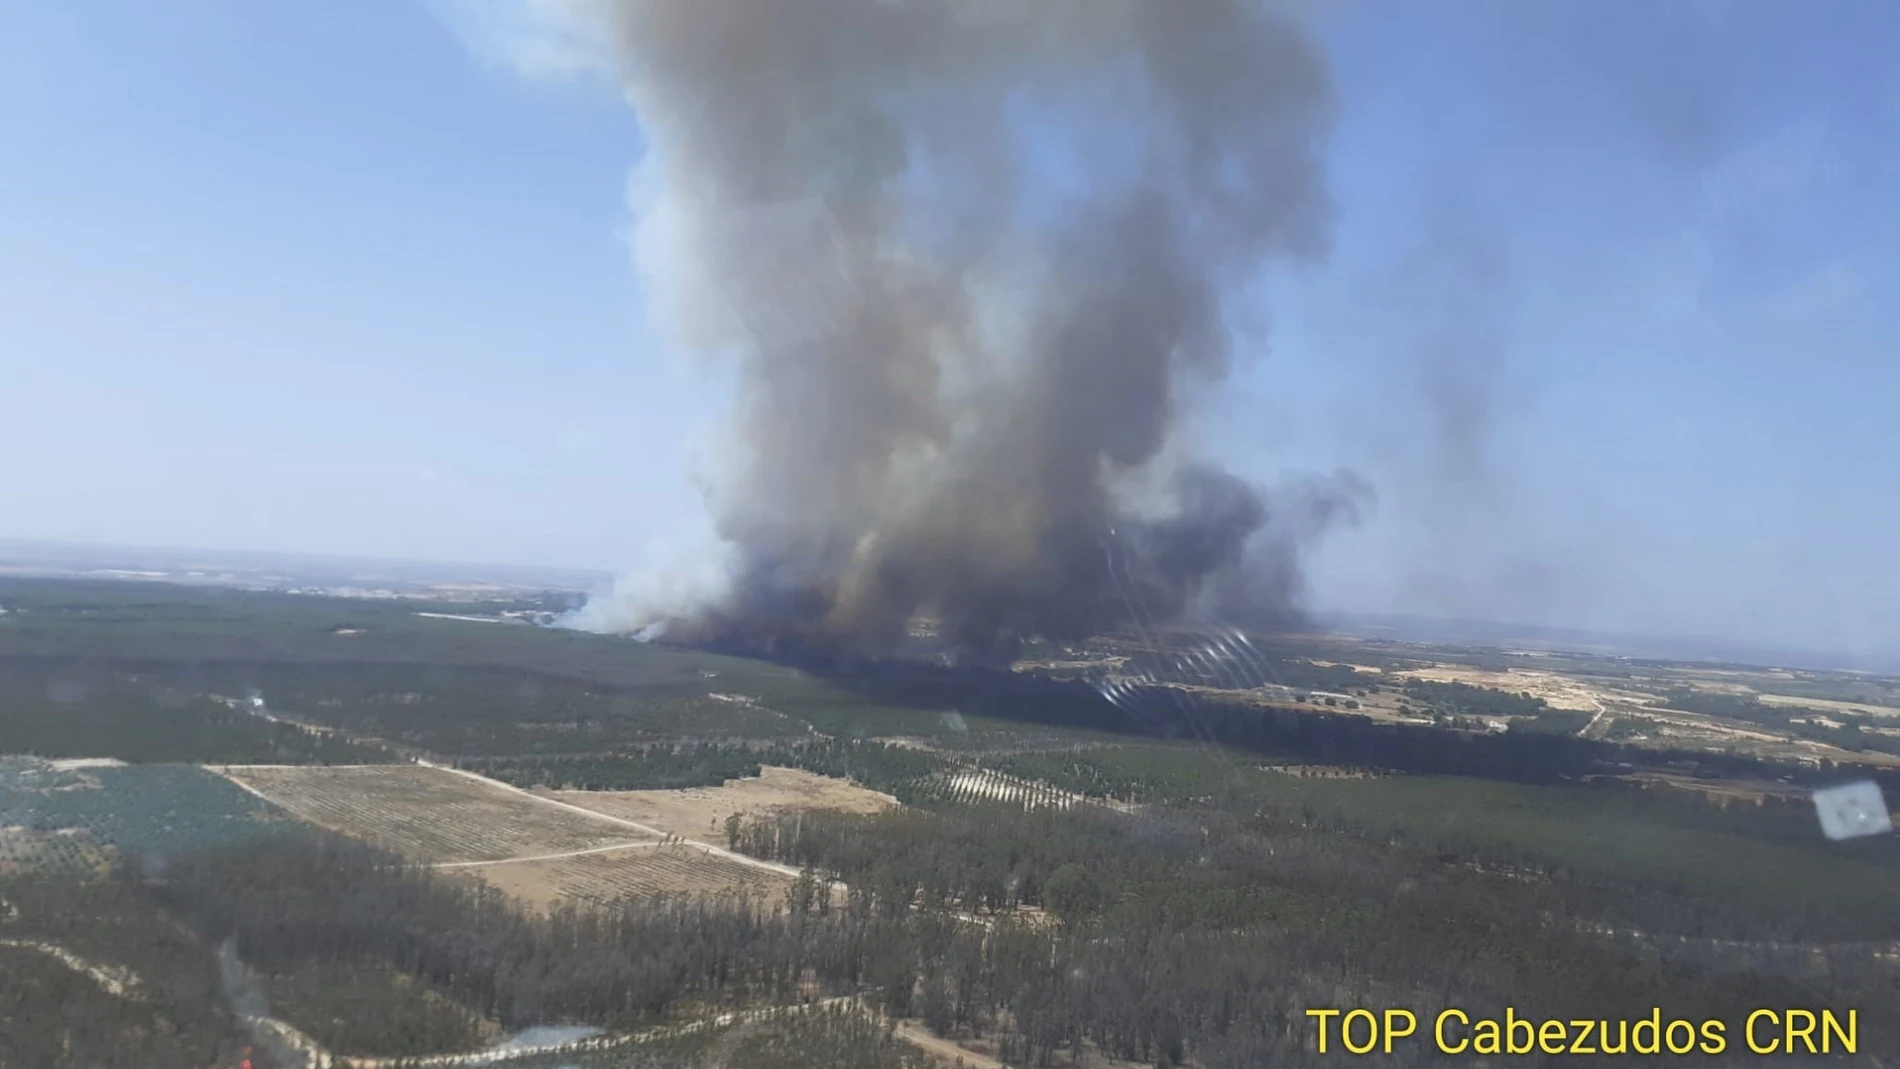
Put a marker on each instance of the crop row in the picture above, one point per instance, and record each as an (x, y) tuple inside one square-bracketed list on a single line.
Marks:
[(976, 785), (66, 816), (67, 849)]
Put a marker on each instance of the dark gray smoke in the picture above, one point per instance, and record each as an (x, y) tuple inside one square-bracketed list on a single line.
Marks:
[(967, 256)]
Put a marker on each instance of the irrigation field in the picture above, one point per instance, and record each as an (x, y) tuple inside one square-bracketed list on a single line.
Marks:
[(429, 814)]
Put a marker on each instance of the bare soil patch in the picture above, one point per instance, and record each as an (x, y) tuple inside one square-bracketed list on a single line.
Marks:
[(699, 813), (428, 814)]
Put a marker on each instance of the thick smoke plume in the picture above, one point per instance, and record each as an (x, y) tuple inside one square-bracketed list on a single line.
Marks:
[(970, 257)]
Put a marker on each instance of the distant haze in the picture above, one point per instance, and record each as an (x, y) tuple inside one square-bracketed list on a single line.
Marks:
[(278, 571)]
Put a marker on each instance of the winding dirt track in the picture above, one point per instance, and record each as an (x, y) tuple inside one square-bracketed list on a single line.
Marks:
[(116, 980)]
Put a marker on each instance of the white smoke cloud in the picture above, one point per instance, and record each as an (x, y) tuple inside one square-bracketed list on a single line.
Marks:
[(674, 578)]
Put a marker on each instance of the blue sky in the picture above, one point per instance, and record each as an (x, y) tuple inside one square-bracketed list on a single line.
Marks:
[(1609, 322)]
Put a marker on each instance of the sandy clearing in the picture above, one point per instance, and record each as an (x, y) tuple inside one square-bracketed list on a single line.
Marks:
[(431, 814), (1362, 669), (549, 800), (699, 813), (538, 849), (70, 764)]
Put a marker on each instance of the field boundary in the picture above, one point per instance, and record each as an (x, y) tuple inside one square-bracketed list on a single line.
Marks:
[(549, 857)]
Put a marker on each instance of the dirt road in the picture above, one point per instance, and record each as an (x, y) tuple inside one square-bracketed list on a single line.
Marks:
[(114, 980), (717, 851), (549, 857), (922, 1038)]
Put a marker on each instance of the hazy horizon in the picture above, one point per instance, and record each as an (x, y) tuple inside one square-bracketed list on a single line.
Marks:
[(1605, 321), (1407, 627)]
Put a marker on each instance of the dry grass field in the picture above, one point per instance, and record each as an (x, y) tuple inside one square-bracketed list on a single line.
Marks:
[(699, 813), (560, 846), (429, 814)]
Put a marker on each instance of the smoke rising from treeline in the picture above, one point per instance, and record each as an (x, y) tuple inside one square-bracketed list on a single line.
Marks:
[(968, 257)]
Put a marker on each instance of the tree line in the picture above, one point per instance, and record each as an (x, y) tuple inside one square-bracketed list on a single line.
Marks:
[(74, 707), (896, 769)]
